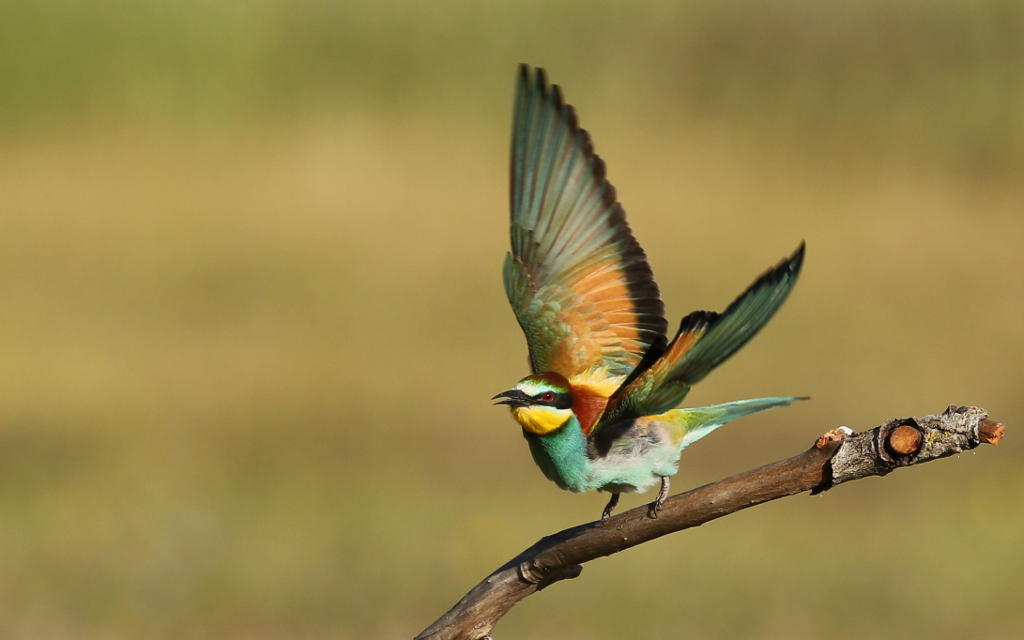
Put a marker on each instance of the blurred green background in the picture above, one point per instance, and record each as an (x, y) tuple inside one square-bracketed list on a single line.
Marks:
[(252, 310)]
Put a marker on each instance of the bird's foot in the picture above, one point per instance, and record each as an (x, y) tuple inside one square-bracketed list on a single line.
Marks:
[(655, 507), (608, 508)]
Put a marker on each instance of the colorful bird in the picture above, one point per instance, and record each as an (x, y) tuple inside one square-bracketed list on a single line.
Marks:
[(599, 410)]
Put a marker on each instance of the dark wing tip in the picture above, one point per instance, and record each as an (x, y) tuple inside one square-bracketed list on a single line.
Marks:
[(570, 118), (523, 80), (797, 259), (556, 97), (786, 269)]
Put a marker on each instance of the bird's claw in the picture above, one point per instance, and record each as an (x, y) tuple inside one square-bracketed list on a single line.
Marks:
[(655, 507), (608, 508)]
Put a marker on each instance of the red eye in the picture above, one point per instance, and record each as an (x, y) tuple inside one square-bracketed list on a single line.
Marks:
[(548, 397)]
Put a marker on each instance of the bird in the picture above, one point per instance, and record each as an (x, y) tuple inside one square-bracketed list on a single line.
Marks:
[(600, 408)]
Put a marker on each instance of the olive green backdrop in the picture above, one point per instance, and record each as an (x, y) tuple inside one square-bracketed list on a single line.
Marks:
[(251, 311)]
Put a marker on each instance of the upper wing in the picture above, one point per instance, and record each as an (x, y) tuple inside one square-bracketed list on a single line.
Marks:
[(704, 341), (578, 281)]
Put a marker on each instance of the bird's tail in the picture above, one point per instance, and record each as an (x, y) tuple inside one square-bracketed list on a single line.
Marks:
[(695, 423)]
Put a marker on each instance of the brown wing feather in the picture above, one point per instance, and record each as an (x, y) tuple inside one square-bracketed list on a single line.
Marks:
[(577, 279)]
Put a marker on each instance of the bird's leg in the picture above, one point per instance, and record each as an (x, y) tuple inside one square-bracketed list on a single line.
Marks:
[(608, 508), (652, 511)]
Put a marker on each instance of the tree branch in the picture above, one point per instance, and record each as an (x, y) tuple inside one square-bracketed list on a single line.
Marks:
[(838, 456)]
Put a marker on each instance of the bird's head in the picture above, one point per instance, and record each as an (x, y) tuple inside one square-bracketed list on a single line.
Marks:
[(541, 402)]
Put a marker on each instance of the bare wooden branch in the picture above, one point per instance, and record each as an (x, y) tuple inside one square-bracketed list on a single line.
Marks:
[(838, 456)]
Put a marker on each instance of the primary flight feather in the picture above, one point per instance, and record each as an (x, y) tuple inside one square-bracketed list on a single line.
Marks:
[(599, 410)]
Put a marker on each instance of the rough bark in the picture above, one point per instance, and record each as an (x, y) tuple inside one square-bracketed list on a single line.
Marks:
[(838, 456)]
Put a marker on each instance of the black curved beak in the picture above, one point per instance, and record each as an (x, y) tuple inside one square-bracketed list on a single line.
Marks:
[(513, 398)]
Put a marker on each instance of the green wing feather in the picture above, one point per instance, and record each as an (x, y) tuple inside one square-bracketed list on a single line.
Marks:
[(705, 339), (578, 281)]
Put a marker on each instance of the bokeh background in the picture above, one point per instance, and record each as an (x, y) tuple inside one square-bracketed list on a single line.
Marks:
[(251, 311)]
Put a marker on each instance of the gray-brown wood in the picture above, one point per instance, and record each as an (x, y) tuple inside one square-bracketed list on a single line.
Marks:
[(838, 456), (873, 453)]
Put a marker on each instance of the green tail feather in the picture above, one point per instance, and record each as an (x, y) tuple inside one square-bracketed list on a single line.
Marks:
[(698, 422)]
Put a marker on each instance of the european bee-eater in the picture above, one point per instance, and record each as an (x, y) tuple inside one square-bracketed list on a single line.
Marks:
[(599, 410)]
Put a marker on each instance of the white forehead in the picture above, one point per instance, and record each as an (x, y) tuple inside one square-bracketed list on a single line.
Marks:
[(532, 387)]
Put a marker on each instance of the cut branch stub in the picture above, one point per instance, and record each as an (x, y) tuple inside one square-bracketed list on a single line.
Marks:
[(902, 439), (990, 432)]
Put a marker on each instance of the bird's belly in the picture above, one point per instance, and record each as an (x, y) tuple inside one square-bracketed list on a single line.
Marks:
[(630, 478), (636, 461)]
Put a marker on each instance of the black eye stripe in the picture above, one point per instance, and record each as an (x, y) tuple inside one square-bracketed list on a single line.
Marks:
[(561, 400)]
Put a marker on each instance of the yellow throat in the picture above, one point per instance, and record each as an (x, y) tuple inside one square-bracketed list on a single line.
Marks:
[(539, 420)]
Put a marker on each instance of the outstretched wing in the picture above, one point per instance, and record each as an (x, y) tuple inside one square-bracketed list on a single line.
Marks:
[(578, 281), (705, 339)]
